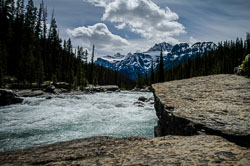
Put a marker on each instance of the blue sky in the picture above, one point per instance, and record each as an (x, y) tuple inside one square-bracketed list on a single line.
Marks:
[(136, 25)]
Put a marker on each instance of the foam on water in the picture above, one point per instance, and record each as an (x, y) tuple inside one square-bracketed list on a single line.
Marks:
[(40, 121)]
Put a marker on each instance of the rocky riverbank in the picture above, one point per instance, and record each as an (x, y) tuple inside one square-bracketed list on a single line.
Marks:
[(8, 97), (175, 150)]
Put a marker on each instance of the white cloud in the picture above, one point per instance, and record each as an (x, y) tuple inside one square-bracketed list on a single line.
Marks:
[(100, 36), (143, 17)]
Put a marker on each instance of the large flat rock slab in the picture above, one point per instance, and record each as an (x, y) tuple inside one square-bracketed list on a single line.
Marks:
[(216, 104), (176, 150)]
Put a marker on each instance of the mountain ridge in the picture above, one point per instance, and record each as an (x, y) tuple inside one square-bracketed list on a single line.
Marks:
[(136, 64)]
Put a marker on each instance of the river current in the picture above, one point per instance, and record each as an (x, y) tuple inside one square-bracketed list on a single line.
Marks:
[(39, 121)]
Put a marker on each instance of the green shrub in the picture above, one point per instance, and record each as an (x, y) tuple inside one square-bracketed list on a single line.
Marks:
[(245, 66)]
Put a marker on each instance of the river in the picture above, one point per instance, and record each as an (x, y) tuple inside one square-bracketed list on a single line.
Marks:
[(39, 121)]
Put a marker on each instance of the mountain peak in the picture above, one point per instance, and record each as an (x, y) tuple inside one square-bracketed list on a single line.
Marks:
[(204, 44), (164, 46)]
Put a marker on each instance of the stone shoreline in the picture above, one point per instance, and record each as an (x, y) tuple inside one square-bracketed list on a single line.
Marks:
[(15, 96), (175, 150)]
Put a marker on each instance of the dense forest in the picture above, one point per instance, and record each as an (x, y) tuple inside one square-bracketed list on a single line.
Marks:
[(223, 60), (32, 52)]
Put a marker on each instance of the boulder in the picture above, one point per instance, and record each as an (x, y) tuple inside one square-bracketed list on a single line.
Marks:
[(50, 89), (60, 91), (142, 98), (8, 97), (46, 84), (30, 93), (217, 104), (62, 85), (104, 88), (98, 89), (144, 89), (109, 87)]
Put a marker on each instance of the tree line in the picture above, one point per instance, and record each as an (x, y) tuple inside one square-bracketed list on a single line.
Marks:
[(32, 52), (223, 60)]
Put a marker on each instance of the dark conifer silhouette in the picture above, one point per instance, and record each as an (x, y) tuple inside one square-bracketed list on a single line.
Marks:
[(152, 76)]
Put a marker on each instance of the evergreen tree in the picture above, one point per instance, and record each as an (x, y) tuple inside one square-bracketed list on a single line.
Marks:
[(80, 68), (3, 63), (38, 27), (85, 57), (160, 69), (30, 16), (248, 42), (20, 9), (152, 76), (91, 71), (93, 54), (44, 20)]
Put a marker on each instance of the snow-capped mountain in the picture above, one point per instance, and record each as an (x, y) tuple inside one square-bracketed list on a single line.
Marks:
[(140, 63)]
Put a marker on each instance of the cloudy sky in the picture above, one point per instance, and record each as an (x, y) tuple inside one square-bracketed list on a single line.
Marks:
[(136, 25)]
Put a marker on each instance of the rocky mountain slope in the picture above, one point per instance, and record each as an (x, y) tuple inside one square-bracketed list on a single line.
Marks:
[(140, 63)]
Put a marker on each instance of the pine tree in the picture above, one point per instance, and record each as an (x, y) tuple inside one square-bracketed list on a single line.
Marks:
[(44, 20), (53, 29), (93, 54), (54, 50), (80, 68), (3, 63), (92, 69), (85, 60), (38, 27), (161, 75), (152, 76), (20, 9), (85, 57), (248, 42), (93, 74), (30, 16)]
